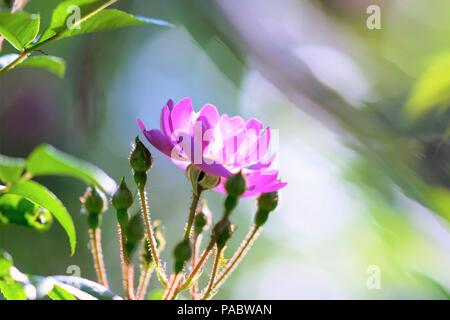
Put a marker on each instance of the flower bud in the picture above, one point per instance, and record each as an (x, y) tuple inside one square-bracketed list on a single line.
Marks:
[(135, 229), (268, 201), (235, 185), (230, 203), (140, 157), (134, 232), (261, 217), (200, 222), (182, 253), (146, 256), (94, 201), (122, 199), (222, 232), (202, 218)]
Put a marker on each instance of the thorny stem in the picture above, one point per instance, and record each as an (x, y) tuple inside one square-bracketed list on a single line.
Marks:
[(127, 266), (150, 235), (214, 270), (198, 267), (192, 210), (238, 256), (196, 241), (144, 279), (97, 255), (171, 290)]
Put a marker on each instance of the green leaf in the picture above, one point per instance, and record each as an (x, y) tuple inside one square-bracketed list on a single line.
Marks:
[(12, 290), (59, 293), (91, 17), (11, 168), (89, 287), (6, 262), (46, 160), (432, 90), (46, 199), (52, 64), (19, 28), (21, 211)]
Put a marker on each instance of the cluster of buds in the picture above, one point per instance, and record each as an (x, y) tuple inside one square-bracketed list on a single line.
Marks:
[(138, 232)]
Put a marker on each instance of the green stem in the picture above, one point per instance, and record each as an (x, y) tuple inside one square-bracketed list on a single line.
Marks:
[(215, 268), (196, 241), (22, 56), (144, 279), (127, 266), (198, 267), (238, 256), (171, 291), (192, 210), (97, 255), (151, 237)]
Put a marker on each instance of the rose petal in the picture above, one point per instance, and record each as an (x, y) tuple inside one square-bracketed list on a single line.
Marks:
[(181, 116)]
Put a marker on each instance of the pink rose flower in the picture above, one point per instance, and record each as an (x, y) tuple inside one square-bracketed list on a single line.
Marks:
[(217, 144)]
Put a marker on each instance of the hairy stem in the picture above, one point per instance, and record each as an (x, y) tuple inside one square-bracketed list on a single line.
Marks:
[(151, 237), (127, 267), (171, 290), (214, 270), (198, 267), (196, 241), (144, 279), (192, 210), (238, 256), (97, 255)]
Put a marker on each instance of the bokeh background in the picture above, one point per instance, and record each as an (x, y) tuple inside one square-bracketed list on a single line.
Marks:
[(363, 126)]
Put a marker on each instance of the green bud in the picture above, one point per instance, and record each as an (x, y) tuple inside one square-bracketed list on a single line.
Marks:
[(200, 222), (182, 253), (140, 157), (146, 256), (222, 232), (122, 199), (202, 218), (135, 229), (235, 185), (261, 217), (94, 201), (230, 203), (268, 201)]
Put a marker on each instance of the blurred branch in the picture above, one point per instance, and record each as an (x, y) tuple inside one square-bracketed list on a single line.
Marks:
[(267, 38)]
